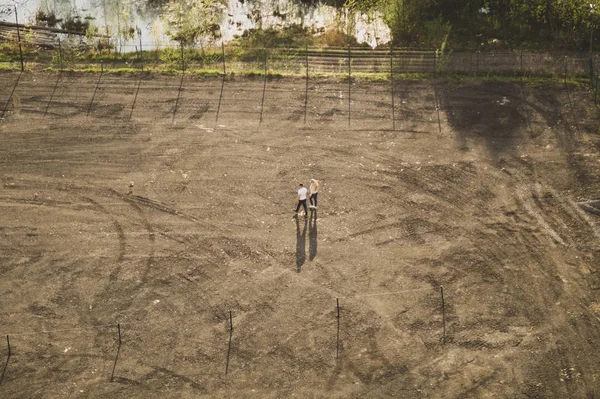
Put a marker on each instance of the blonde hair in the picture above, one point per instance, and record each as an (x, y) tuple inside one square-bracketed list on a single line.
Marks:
[(314, 183)]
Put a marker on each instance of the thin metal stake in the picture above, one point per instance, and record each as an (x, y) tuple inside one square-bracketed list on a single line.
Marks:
[(566, 57), (592, 71), (19, 39), (220, 98), (349, 84), (7, 360), (141, 50), (443, 315), (337, 351), (262, 104), (222, 83), (60, 55), (223, 57), (95, 90), (306, 90), (437, 108), (182, 59), (137, 90), (230, 337), (178, 97), (53, 91), (112, 375), (392, 84)]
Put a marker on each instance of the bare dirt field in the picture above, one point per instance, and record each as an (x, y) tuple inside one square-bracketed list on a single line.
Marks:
[(486, 197)]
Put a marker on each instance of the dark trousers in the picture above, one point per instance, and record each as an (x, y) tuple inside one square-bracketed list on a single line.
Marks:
[(313, 196), (303, 203)]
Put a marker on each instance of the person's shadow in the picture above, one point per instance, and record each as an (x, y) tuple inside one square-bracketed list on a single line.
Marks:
[(312, 231), (300, 245)]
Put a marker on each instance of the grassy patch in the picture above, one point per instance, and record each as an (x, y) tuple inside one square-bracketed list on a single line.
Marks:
[(4, 66), (251, 70)]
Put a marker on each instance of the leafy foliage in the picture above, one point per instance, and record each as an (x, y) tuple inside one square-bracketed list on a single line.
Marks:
[(48, 19), (561, 24), (190, 20), (288, 36), (75, 24)]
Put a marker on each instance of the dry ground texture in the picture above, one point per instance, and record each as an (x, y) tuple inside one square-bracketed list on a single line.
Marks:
[(488, 201)]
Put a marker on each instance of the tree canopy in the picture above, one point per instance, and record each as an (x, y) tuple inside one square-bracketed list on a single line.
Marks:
[(559, 24)]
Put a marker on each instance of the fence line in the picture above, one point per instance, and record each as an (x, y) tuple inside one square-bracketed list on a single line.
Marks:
[(337, 308), (132, 324), (74, 54), (348, 63)]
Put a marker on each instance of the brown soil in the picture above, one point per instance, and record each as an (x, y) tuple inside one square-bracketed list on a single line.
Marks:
[(482, 201)]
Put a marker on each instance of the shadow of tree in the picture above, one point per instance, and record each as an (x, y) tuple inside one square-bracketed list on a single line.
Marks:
[(494, 114)]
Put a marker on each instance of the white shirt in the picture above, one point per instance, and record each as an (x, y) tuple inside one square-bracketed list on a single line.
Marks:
[(302, 193)]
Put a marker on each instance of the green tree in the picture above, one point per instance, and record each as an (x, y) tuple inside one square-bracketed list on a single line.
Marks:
[(566, 24), (190, 20)]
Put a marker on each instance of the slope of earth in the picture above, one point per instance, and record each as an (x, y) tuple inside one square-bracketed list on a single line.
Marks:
[(474, 186)]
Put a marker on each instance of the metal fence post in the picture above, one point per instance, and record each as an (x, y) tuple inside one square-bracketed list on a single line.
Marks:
[(349, 84), (7, 359), (230, 339), (60, 55), (141, 49), (443, 315), (112, 375), (262, 103), (306, 90), (592, 71), (182, 59), (223, 55), (566, 68), (19, 39), (392, 84), (337, 346)]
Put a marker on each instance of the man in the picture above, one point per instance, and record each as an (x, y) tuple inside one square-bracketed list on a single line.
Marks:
[(302, 191)]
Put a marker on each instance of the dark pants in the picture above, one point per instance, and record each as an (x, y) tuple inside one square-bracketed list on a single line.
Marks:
[(303, 203), (315, 198)]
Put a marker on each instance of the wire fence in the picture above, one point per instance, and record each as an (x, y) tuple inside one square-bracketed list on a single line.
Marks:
[(22, 49), (343, 322), (389, 67)]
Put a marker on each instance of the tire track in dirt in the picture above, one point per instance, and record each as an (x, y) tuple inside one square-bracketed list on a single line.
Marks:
[(446, 184), (120, 234), (147, 226), (528, 204), (535, 258), (107, 293)]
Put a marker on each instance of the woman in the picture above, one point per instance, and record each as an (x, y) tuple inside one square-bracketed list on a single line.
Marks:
[(314, 192)]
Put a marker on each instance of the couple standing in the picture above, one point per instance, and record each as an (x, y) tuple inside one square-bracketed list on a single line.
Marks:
[(303, 192)]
